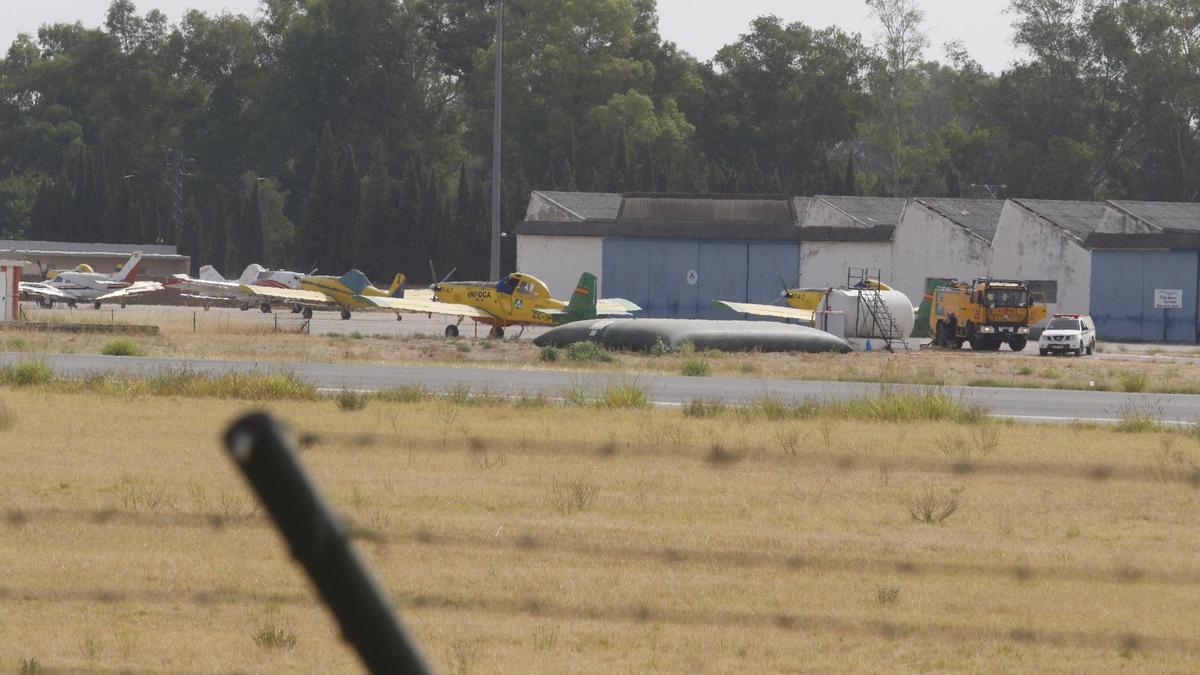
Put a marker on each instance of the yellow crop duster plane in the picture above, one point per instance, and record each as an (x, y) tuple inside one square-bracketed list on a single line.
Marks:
[(516, 300), (346, 292)]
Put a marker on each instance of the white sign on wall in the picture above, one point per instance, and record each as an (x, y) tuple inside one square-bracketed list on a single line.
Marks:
[(1168, 298), (692, 277)]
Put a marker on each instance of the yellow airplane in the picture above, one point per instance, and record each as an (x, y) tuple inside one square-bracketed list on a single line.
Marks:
[(516, 300), (345, 292)]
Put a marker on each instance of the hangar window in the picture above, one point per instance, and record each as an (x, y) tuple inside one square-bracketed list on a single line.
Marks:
[(1044, 291)]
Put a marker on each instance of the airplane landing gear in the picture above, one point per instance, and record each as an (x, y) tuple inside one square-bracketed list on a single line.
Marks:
[(266, 308), (345, 314), (296, 308), (399, 317), (96, 304), (452, 331), (496, 332), (306, 312), (245, 306), (45, 303)]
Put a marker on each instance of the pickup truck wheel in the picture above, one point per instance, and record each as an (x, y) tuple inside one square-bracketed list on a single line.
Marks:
[(1043, 352)]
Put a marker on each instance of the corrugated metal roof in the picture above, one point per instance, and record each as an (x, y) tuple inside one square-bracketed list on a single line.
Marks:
[(1171, 216), (800, 206), (1078, 218), (750, 209), (978, 216), (1145, 241), (869, 211), (587, 205), (77, 247)]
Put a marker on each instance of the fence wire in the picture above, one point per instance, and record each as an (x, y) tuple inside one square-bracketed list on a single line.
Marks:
[(530, 543), (1165, 472), (646, 613)]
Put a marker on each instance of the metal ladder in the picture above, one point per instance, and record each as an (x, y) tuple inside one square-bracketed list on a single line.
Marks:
[(870, 297)]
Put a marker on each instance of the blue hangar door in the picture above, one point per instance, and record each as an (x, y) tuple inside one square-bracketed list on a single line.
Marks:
[(681, 278)]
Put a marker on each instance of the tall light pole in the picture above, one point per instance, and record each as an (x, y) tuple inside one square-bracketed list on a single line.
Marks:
[(498, 106)]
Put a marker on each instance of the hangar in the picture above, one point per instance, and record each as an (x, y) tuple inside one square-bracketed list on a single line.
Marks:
[(673, 254), (158, 261)]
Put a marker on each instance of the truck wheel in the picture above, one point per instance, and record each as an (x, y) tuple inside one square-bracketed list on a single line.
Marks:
[(1018, 344), (1043, 352)]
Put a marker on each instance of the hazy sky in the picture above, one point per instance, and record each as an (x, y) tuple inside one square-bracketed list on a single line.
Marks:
[(697, 26)]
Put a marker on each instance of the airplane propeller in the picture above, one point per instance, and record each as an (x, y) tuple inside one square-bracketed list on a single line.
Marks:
[(433, 275)]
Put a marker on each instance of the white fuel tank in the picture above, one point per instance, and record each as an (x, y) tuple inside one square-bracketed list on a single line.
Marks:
[(859, 321)]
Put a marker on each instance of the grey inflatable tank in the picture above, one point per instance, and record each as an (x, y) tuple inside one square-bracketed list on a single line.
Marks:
[(730, 336)]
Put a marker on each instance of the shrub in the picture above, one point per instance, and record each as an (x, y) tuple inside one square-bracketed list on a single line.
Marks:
[(549, 354), (624, 395), (26, 373), (1134, 382), (1136, 418), (1025, 370), (463, 347), (572, 495), (695, 368), (409, 393), (588, 351), (932, 508), (699, 407), (660, 348), (350, 401), (887, 595), (274, 637), (122, 347), (7, 417)]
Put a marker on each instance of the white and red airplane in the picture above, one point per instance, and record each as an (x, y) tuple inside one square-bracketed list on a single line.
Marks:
[(83, 285), (210, 285)]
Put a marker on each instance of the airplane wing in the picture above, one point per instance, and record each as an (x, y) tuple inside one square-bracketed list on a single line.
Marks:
[(42, 290), (774, 311), (615, 307), (421, 306), (287, 294), (136, 288)]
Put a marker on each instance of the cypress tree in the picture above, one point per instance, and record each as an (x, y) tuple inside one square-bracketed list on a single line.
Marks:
[(316, 216)]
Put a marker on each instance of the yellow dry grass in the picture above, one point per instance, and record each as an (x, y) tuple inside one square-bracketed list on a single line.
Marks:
[(557, 539)]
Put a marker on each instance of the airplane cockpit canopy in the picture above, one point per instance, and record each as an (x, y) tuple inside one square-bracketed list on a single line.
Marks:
[(507, 285)]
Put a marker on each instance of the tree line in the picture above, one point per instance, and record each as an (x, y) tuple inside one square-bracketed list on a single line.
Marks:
[(338, 133)]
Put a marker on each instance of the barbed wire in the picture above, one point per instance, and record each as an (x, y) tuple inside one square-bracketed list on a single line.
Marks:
[(528, 543), (638, 612), (718, 454)]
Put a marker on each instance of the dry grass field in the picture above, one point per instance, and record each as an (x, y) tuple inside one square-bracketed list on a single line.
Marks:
[(230, 334), (527, 537)]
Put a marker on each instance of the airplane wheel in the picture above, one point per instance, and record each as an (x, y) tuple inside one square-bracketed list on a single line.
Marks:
[(96, 304), (245, 306), (399, 317), (497, 332), (451, 331), (307, 313), (266, 308), (345, 314), (122, 305)]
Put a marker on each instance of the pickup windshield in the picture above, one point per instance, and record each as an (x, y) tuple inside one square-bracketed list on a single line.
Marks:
[(1063, 324)]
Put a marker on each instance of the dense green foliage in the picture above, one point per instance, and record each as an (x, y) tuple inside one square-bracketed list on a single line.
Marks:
[(358, 132)]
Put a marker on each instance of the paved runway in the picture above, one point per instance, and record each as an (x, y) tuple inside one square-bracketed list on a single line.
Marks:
[(1028, 404)]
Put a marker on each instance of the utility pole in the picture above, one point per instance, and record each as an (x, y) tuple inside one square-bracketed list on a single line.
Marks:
[(175, 173), (498, 97)]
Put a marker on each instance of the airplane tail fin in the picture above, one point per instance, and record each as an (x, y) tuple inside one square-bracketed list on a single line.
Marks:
[(210, 273), (397, 289), (129, 272), (582, 304), (250, 274)]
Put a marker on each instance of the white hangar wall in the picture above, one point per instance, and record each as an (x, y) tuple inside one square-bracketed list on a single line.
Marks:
[(824, 263), (559, 261), (928, 245), (1031, 248)]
